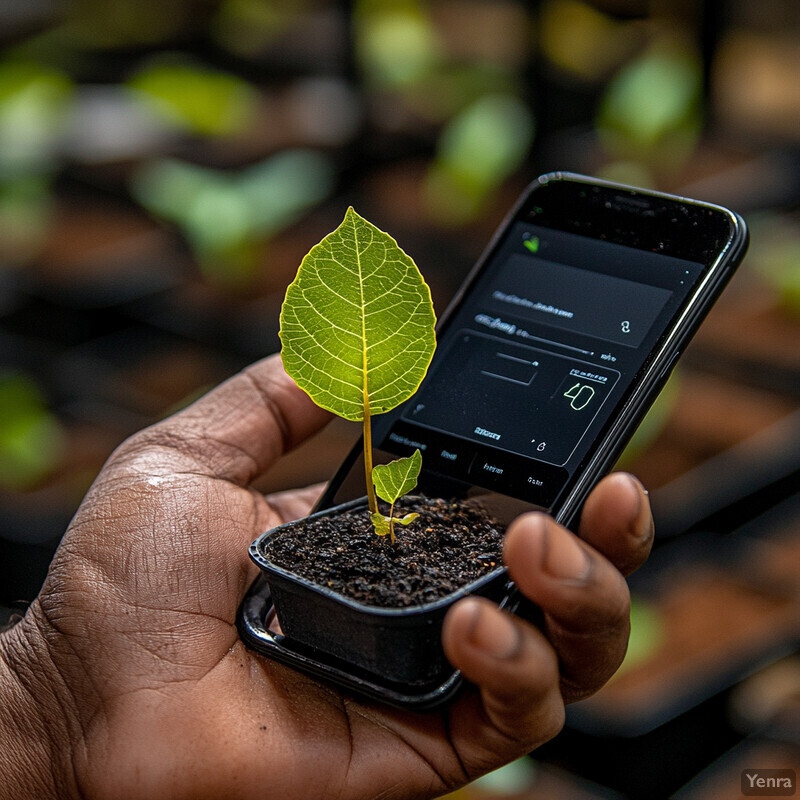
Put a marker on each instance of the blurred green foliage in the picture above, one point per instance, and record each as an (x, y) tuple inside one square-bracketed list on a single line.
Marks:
[(227, 215), (34, 100), (479, 148), (31, 439), (25, 213), (485, 127), (647, 634), (775, 256), (34, 106), (651, 112), (402, 54), (511, 780), (583, 41), (422, 68), (202, 101), (396, 41), (653, 423)]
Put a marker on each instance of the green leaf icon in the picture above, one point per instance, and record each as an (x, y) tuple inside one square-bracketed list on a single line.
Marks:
[(357, 324), (398, 477)]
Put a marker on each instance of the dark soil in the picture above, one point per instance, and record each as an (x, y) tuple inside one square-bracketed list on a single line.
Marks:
[(446, 547)]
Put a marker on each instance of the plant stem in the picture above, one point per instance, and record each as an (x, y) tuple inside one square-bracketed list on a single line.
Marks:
[(373, 502), (391, 524), (371, 499)]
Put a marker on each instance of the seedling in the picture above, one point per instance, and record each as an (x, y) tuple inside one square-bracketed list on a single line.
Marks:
[(357, 334), (392, 481)]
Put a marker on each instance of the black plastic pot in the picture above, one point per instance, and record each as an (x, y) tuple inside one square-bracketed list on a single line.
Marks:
[(397, 649)]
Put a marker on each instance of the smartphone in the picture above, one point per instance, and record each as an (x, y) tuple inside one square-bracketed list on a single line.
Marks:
[(547, 359), (556, 345)]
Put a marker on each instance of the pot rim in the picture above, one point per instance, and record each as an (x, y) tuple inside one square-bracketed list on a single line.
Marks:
[(269, 567)]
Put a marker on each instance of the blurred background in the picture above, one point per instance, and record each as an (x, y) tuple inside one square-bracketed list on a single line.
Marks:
[(164, 166)]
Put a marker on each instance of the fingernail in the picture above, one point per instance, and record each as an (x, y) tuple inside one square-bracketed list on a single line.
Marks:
[(564, 558), (640, 529), (495, 634)]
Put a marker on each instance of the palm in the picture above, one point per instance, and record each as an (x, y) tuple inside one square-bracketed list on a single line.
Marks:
[(190, 684)]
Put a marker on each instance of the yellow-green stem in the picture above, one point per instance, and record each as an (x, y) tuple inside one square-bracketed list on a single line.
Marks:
[(391, 524), (373, 502), (371, 499)]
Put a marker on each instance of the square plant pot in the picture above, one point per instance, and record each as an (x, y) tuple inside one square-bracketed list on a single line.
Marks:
[(398, 647)]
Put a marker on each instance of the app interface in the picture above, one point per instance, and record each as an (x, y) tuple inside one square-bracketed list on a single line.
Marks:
[(536, 358)]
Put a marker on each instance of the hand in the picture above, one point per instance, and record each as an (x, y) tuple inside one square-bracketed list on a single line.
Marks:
[(126, 678)]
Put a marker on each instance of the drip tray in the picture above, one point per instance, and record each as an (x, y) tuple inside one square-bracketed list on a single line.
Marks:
[(260, 630)]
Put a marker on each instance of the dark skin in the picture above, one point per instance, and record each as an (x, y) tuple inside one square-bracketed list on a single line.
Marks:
[(126, 678)]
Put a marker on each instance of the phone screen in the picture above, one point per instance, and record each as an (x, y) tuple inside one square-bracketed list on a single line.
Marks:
[(541, 351)]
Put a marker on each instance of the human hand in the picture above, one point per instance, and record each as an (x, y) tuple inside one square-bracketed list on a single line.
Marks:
[(126, 678)]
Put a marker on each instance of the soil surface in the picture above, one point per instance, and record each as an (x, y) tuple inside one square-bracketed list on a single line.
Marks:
[(446, 547)]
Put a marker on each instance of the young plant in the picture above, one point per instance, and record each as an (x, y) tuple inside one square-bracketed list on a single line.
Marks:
[(392, 481), (357, 335)]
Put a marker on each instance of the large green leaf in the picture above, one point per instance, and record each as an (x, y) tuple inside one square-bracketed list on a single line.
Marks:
[(357, 324), (398, 477)]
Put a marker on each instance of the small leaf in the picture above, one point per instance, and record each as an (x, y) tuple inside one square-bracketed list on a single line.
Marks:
[(398, 477), (381, 523), (357, 324), (407, 519)]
